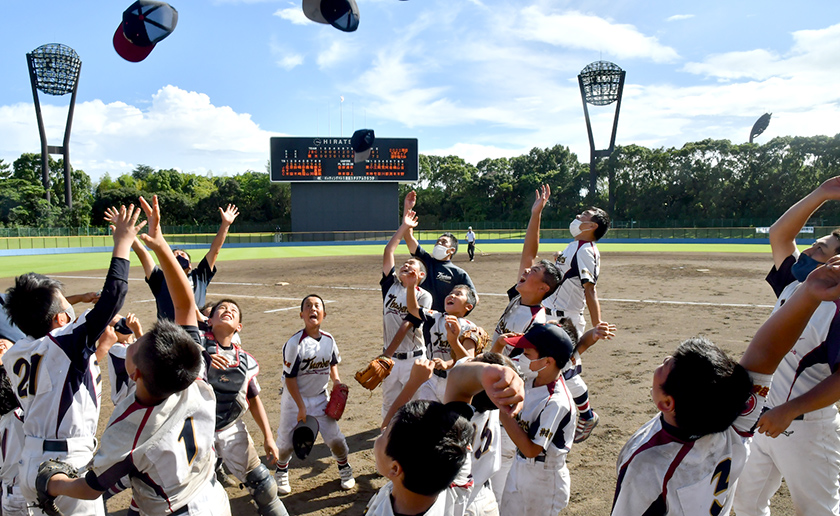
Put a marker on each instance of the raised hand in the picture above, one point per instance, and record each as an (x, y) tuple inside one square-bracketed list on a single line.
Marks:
[(124, 225), (831, 188), (824, 281), (505, 388), (410, 219), (542, 195), (229, 214), (410, 201), (604, 331), (154, 238)]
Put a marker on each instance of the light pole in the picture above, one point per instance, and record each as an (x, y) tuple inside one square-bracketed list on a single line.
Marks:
[(54, 69), (601, 84)]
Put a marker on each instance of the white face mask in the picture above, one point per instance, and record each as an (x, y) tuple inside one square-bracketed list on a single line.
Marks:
[(70, 312), (440, 252), (574, 227)]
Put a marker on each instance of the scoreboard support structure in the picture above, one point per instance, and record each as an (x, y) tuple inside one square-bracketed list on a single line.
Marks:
[(331, 193)]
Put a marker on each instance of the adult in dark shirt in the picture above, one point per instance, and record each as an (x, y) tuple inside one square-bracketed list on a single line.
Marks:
[(199, 277), (442, 274)]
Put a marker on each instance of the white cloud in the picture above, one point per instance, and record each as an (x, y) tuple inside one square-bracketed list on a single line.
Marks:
[(576, 30), (294, 15), (678, 17), (180, 129), (473, 153)]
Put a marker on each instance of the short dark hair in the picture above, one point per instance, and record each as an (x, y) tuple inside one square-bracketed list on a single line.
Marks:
[(230, 302), (453, 241), (420, 265), (169, 359), (471, 296), (302, 301), (481, 402), (569, 327), (551, 277), (710, 390), (430, 442), (33, 303), (600, 217)]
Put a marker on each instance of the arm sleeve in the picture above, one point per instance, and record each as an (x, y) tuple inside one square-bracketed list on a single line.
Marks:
[(586, 265), (291, 360), (782, 277), (551, 421), (203, 272), (155, 280), (335, 359), (512, 293), (253, 388), (110, 302), (386, 282)]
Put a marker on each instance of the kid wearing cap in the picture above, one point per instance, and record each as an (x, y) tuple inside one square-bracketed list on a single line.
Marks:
[(538, 482)]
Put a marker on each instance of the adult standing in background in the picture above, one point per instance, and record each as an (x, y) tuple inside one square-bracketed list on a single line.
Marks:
[(471, 243), (441, 273)]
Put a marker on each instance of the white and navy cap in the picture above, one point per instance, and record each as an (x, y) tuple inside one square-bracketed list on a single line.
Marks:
[(362, 143), (144, 24), (341, 14)]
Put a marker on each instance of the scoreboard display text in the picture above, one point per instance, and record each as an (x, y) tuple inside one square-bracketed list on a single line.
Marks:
[(331, 159)]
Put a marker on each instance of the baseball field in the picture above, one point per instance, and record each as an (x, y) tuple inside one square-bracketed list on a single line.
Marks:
[(657, 296)]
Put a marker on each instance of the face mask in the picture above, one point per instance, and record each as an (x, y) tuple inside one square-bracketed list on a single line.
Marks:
[(71, 313), (440, 253), (182, 261), (803, 267), (574, 228), (535, 371)]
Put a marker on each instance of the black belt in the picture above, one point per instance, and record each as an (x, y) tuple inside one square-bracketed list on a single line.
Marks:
[(185, 510), (800, 417), (538, 458), (9, 488), (55, 445), (414, 354), (558, 313), (439, 372)]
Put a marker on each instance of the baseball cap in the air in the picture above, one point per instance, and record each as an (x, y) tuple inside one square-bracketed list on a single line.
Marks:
[(548, 339), (144, 24), (122, 327), (362, 143), (303, 436), (341, 14)]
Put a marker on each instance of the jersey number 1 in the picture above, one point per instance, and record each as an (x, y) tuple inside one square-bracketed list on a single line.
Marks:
[(28, 375), (188, 436)]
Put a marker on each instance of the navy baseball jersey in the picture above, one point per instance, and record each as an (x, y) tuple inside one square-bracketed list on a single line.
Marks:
[(199, 278), (441, 277)]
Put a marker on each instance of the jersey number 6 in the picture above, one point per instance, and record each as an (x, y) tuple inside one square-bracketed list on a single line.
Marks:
[(188, 435)]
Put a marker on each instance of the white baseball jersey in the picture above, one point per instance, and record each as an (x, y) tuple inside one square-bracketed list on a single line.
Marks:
[(518, 318), (816, 355), (167, 449), (548, 417), (11, 444), (394, 310), (309, 360), (579, 263), (482, 462), (434, 330), (56, 377), (380, 504), (662, 471)]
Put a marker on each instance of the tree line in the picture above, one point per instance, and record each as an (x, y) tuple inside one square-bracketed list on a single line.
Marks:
[(705, 180)]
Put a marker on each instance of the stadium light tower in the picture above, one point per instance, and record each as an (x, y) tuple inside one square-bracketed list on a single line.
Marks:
[(601, 84), (54, 69)]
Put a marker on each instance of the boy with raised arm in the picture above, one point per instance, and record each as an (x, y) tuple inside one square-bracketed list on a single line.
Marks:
[(54, 370), (199, 277), (162, 433), (688, 458)]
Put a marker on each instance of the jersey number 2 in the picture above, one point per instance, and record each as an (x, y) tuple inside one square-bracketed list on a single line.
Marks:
[(28, 375), (722, 475), (188, 436)]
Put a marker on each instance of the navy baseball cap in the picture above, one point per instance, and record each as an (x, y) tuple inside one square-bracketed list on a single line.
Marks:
[(122, 327), (341, 14), (144, 24), (362, 143), (303, 436), (548, 339)]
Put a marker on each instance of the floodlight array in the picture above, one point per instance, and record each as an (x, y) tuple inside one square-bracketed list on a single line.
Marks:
[(601, 81), (56, 68)]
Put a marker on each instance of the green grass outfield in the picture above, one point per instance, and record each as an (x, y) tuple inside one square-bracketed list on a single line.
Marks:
[(58, 263)]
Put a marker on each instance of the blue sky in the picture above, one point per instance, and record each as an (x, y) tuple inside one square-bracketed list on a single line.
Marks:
[(476, 78)]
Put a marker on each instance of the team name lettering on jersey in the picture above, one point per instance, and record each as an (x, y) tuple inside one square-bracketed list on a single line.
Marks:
[(444, 277), (311, 363)]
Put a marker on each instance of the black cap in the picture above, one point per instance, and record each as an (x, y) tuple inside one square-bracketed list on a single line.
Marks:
[(341, 14), (548, 339), (362, 143), (144, 24), (303, 436)]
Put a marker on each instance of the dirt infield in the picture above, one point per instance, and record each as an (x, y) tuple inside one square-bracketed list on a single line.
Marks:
[(656, 300)]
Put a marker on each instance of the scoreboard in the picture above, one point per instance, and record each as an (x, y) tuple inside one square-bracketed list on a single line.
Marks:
[(331, 159)]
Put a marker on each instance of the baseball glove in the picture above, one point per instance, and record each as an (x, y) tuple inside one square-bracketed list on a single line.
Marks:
[(479, 336), (377, 370), (46, 470), (338, 400)]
